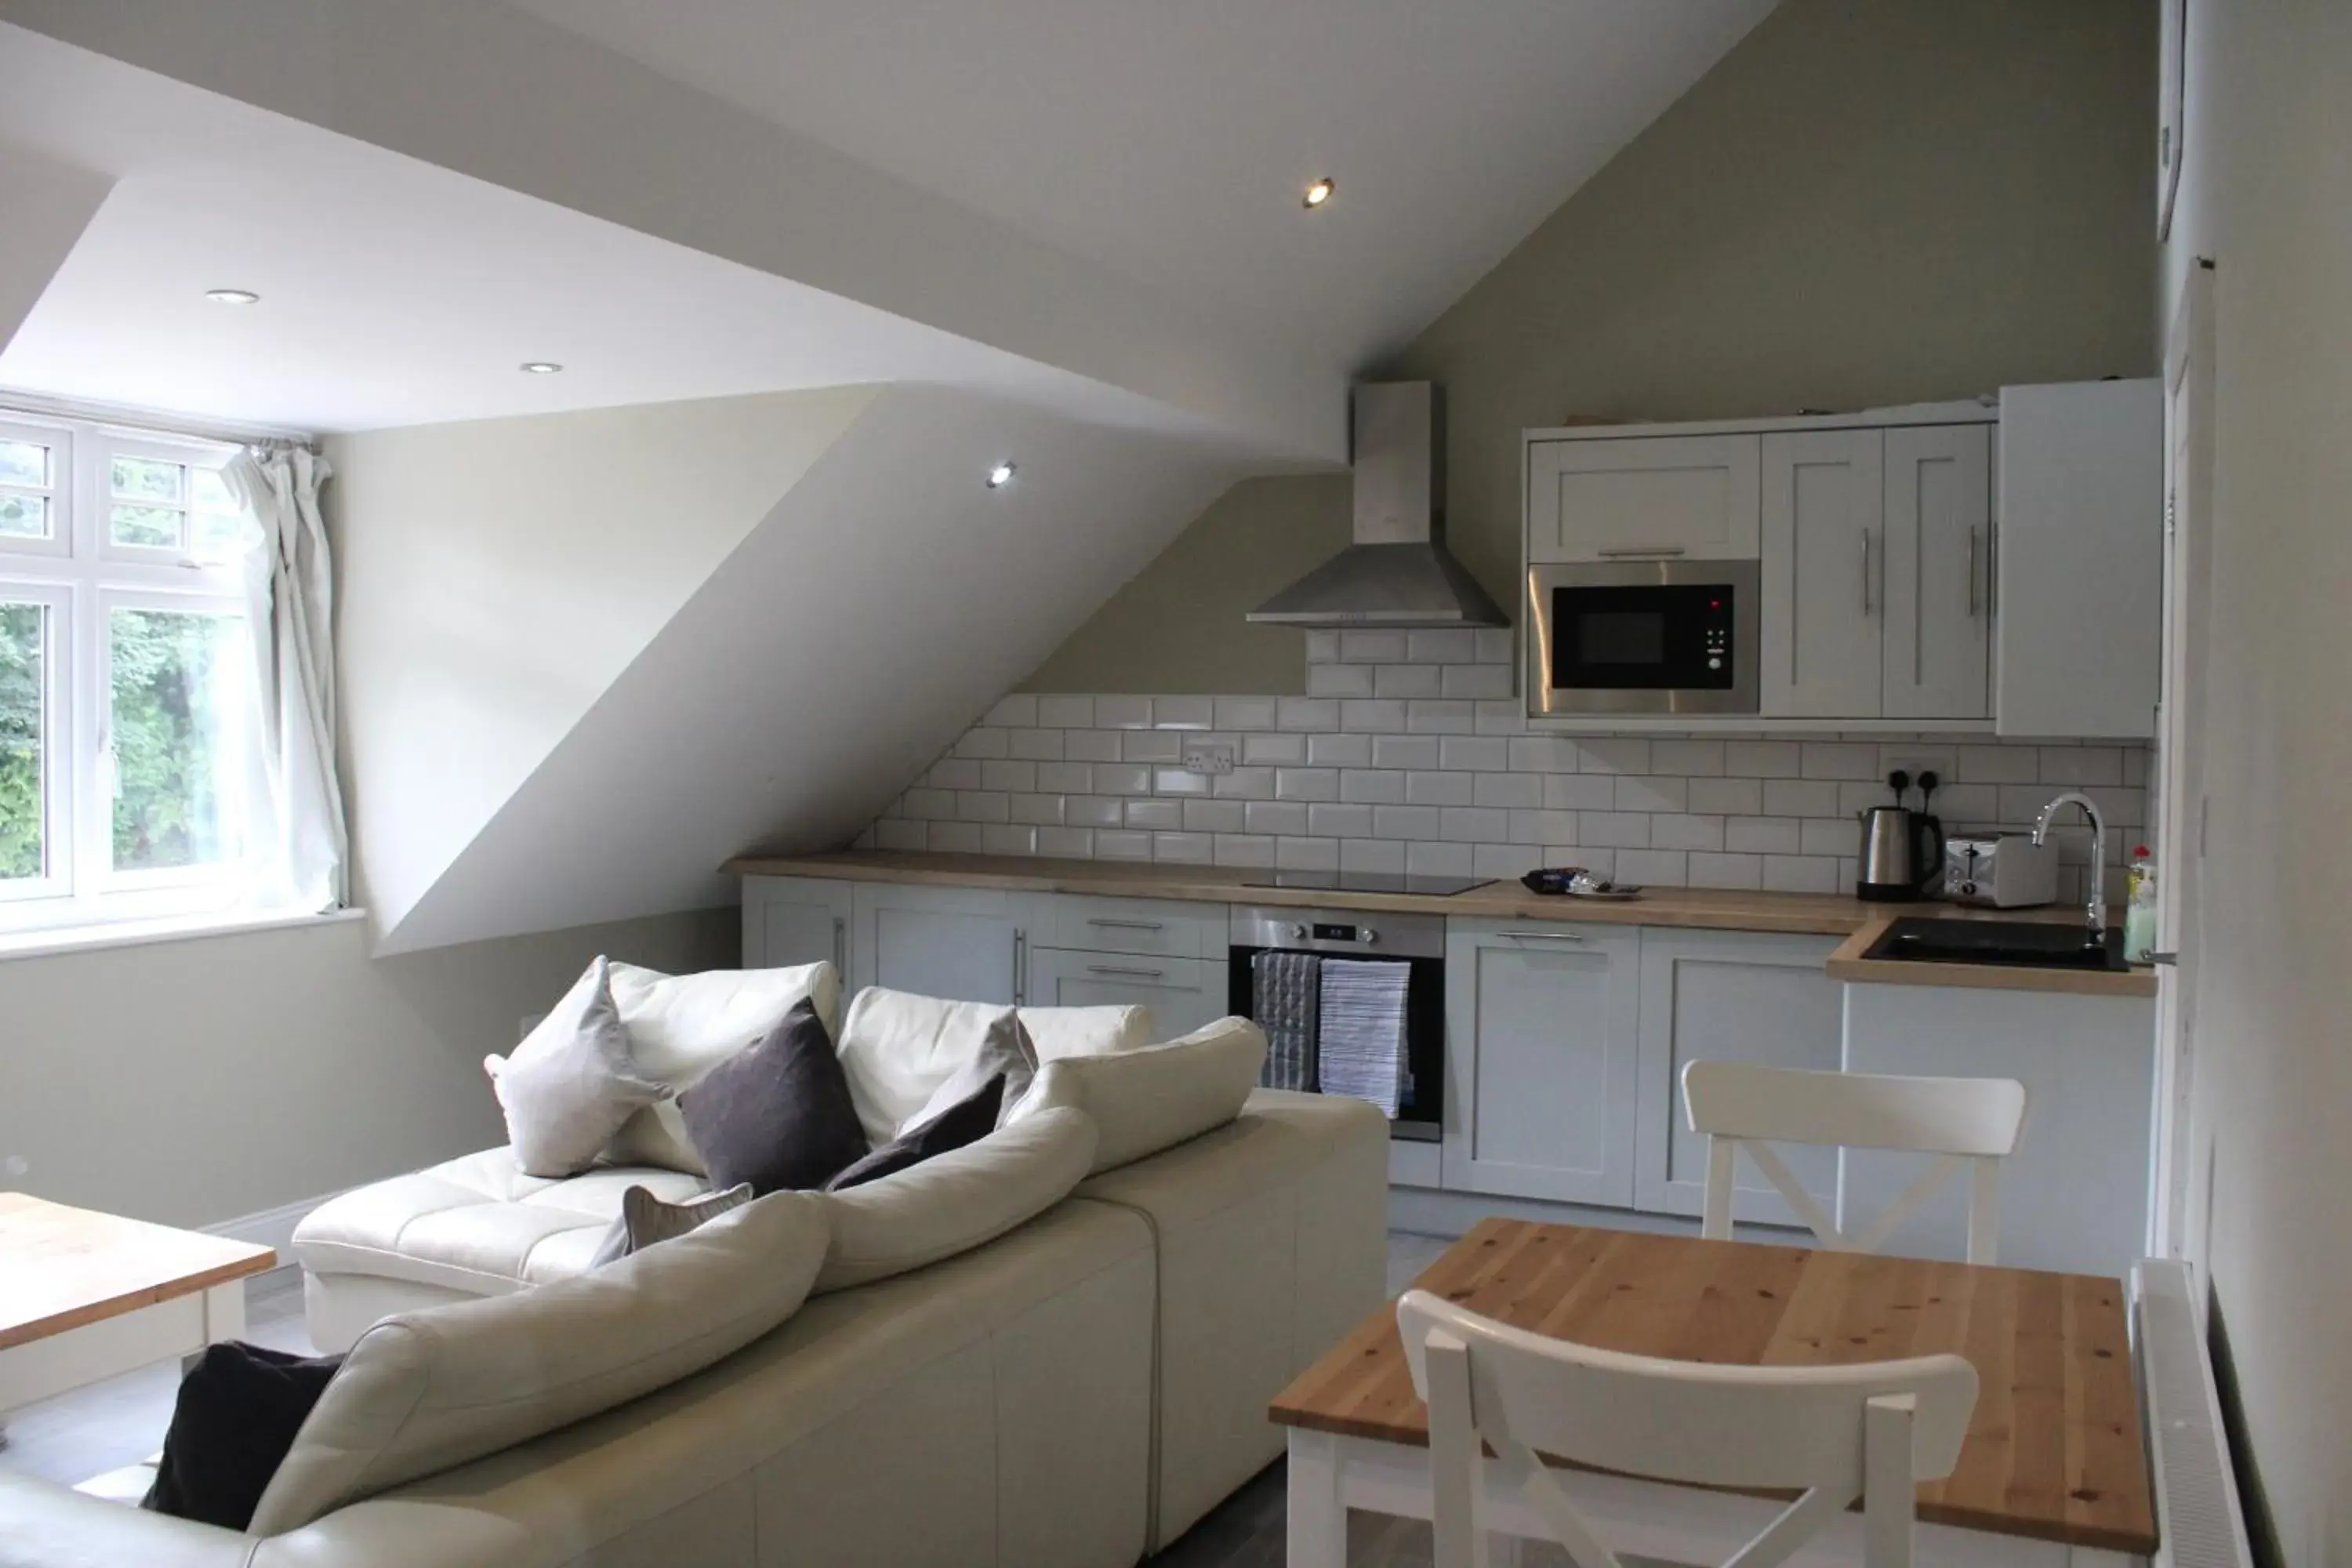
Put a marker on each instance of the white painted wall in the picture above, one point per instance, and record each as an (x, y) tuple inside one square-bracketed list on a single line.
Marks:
[(498, 575), (49, 204), (192, 1082), (851, 636), (2267, 193)]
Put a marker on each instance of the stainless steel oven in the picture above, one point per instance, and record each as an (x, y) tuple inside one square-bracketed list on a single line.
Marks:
[(1417, 941), (1643, 637)]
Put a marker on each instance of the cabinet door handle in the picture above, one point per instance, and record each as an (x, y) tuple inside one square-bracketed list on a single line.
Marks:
[(1542, 935), (1638, 551), (841, 948), (1138, 971), (1020, 968), (1865, 572), (1972, 574), (1125, 925)]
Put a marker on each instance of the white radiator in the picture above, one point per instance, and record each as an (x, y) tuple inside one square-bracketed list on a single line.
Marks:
[(2198, 1519)]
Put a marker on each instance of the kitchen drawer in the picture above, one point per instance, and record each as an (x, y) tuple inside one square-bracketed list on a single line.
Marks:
[(1162, 927), (1183, 993)]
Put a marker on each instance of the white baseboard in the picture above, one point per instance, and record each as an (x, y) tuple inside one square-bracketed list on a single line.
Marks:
[(271, 1228)]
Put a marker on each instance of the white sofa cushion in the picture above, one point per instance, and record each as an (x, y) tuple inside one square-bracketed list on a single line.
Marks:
[(682, 1025), (957, 1200), (898, 1048), (475, 1223), (424, 1391), (572, 1082), (1058, 1032), (1146, 1100)]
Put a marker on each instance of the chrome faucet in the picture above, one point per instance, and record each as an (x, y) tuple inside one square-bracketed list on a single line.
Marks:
[(2097, 911)]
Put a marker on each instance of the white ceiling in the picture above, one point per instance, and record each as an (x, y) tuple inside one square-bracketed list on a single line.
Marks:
[(1170, 142), (396, 292)]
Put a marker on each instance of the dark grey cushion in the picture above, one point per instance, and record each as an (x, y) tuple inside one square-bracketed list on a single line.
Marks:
[(646, 1219), (778, 1115), (968, 1121), (238, 1410)]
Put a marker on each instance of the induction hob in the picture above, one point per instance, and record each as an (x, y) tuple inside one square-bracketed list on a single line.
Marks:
[(1370, 882)]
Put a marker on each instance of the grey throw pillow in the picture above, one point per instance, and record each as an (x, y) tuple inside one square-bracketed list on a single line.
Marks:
[(572, 1082), (647, 1219), (1007, 1053), (779, 1115)]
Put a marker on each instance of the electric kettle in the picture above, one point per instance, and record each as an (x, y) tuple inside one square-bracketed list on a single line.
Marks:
[(1902, 849)]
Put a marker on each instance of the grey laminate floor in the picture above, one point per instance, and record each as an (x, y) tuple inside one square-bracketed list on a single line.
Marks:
[(110, 1424)]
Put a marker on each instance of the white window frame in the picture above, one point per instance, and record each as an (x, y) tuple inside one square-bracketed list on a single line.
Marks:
[(82, 575)]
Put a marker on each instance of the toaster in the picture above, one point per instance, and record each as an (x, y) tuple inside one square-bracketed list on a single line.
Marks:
[(2003, 870)]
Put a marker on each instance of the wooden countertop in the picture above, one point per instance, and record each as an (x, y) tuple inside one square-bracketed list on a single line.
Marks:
[(2053, 1451), (1695, 908)]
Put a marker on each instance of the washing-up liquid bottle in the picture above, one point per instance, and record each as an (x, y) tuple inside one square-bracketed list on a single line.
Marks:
[(2140, 907)]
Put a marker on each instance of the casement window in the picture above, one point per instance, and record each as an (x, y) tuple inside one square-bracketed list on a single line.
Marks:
[(127, 689)]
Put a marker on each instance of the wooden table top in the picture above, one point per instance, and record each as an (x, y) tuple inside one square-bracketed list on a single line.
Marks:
[(2054, 1449), (62, 1267)]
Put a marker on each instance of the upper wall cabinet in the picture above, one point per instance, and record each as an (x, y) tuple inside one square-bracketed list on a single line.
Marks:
[(2081, 600), (1669, 496), (1937, 581), (1823, 613)]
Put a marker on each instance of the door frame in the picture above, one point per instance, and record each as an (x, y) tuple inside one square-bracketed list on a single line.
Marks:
[(2178, 766)]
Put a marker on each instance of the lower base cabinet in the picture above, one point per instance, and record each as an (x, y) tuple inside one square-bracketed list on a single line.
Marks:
[(1183, 993), (1540, 1047)]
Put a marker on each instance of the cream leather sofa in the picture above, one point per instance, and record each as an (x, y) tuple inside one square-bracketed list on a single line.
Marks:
[(1076, 1392)]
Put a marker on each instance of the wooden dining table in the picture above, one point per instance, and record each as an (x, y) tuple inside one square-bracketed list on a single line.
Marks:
[(2054, 1472)]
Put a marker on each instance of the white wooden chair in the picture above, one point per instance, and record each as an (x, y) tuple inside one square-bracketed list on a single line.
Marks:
[(1740, 1105), (1832, 1433)]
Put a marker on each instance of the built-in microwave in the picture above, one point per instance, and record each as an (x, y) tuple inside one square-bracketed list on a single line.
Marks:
[(1643, 637)]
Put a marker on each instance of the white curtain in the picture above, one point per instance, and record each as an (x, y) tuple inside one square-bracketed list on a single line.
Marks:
[(290, 604)]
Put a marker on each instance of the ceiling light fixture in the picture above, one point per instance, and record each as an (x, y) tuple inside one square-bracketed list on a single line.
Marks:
[(539, 367), (1319, 194), (232, 296), (1000, 476)]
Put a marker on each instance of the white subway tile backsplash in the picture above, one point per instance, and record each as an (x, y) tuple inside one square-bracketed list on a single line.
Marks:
[(1340, 751), (1373, 648), (1454, 784), (1494, 645), (1511, 791), (1452, 645), (1438, 788), (1066, 712), (1406, 681), (1404, 750), (1322, 648), (1343, 679)]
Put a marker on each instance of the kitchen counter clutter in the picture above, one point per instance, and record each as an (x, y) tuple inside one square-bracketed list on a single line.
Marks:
[(1690, 908)]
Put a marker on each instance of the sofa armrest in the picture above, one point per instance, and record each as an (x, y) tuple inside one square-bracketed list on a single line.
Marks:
[(44, 1525)]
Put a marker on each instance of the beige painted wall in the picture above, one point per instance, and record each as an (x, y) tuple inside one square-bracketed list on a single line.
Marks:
[(2267, 193), (498, 574), (192, 1082), (1861, 204)]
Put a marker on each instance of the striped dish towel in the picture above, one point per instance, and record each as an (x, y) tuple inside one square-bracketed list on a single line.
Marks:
[(1285, 1001), (1360, 1035)]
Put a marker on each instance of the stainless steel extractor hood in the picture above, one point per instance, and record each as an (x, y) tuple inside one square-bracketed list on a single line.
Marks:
[(1397, 573)]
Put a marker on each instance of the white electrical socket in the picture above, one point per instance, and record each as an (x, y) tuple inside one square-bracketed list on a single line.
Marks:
[(1211, 762)]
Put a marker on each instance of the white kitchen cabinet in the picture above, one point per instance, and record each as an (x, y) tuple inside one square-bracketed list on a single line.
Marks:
[(2080, 604), (1691, 496), (1937, 577), (970, 944), (1183, 993), (1542, 1026), (1824, 513), (789, 920), (1729, 996)]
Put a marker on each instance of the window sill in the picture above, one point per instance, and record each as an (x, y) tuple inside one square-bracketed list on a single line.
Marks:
[(140, 934)]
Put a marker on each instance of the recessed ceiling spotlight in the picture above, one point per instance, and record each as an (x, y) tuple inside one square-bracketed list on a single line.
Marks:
[(539, 367), (1318, 192), (1000, 476), (232, 296)]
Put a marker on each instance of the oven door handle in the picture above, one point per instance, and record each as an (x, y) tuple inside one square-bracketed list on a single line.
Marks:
[(1641, 551)]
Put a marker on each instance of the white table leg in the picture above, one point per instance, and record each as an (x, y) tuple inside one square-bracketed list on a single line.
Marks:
[(1319, 1518), (223, 1320)]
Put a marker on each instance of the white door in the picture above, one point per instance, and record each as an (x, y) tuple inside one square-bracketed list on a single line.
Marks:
[(1691, 496), (1729, 996), (1540, 1037), (1938, 626), (1824, 502), (791, 921), (968, 944), (2175, 1229), (1183, 993)]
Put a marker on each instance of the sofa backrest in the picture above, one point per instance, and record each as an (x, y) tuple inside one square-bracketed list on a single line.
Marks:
[(420, 1391), (954, 1201), (1145, 1101)]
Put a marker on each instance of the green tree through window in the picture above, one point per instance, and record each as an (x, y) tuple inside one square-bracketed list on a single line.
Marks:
[(21, 648), (173, 711)]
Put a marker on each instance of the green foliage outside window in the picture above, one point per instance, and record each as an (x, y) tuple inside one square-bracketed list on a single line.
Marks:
[(170, 670), (20, 741)]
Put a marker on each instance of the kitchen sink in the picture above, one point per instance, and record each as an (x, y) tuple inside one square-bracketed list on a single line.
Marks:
[(2025, 944)]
